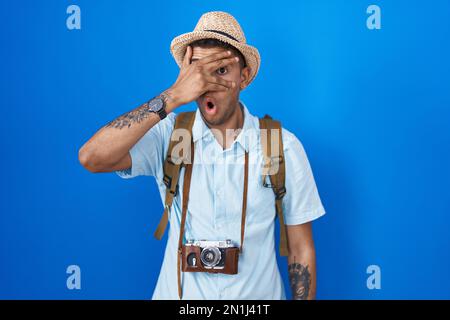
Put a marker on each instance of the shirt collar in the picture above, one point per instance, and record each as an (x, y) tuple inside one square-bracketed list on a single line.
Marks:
[(246, 137)]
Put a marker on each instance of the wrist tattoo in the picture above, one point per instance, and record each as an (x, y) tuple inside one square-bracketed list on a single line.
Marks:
[(300, 280), (127, 119), (166, 96), (138, 114)]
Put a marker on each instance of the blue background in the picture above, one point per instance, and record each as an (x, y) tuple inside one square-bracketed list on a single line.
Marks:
[(372, 108)]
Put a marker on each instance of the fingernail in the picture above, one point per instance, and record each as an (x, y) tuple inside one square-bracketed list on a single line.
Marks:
[(233, 84)]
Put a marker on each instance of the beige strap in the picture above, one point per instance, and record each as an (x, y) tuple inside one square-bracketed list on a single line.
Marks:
[(274, 167), (172, 167), (173, 172)]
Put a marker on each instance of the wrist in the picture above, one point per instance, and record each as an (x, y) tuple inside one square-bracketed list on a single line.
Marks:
[(171, 99)]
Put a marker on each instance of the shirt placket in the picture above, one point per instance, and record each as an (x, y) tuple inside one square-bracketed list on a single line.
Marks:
[(219, 192), (220, 216)]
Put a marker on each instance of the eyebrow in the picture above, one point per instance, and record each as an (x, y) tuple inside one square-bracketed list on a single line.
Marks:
[(194, 59)]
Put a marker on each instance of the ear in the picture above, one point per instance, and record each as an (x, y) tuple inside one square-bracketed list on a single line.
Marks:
[(245, 77)]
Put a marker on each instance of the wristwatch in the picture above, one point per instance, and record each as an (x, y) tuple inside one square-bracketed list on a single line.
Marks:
[(158, 106)]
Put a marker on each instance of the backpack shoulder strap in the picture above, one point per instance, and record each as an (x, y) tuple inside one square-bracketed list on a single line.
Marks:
[(173, 164), (274, 167)]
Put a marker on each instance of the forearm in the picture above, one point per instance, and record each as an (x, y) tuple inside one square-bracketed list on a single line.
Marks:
[(108, 149), (302, 274), (113, 141)]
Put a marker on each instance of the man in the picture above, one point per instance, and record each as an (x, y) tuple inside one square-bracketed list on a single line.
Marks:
[(215, 65)]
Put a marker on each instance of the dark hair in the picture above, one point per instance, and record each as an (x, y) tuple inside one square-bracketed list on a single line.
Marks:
[(213, 43)]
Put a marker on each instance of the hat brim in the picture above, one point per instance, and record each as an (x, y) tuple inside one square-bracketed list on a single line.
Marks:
[(251, 54)]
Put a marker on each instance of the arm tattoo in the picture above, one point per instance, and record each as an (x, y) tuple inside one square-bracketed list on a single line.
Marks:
[(300, 280), (166, 95), (138, 114), (134, 116)]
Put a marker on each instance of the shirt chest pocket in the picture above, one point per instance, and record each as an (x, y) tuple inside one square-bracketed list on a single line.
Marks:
[(260, 201)]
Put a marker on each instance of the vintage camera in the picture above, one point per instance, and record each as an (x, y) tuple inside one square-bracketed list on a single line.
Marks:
[(210, 256)]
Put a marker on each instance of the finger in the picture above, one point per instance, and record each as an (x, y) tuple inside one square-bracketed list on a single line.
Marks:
[(220, 81), (187, 56), (215, 87), (217, 64), (215, 56)]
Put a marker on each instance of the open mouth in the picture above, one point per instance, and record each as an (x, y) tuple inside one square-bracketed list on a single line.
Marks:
[(210, 106)]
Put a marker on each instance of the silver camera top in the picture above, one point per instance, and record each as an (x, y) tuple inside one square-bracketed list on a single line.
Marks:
[(211, 243)]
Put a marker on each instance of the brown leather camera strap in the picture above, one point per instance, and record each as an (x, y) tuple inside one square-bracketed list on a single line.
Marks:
[(186, 188), (244, 201)]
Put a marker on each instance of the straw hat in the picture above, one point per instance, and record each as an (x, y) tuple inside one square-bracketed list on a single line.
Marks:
[(221, 26)]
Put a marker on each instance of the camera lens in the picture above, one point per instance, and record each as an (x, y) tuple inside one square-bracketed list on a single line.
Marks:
[(210, 256)]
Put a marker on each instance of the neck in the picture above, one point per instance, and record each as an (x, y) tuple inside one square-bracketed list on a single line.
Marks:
[(230, 129)]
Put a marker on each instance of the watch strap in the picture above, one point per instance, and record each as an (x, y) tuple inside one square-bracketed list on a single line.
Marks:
[(162, 112)]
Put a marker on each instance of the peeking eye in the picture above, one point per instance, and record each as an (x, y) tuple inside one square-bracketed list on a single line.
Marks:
[(222, 71)]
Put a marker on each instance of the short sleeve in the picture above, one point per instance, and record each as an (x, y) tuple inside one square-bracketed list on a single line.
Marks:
[(301, 203), (148, 154)]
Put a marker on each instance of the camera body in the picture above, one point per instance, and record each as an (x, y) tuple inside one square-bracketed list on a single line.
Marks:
[(219, 256)]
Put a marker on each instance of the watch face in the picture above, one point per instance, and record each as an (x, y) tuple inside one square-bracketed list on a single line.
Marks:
[(155, 104)]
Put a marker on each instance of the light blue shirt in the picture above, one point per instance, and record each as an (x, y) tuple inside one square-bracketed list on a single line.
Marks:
[(215, 207)]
